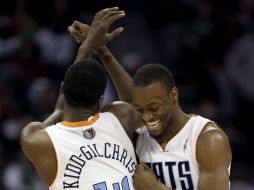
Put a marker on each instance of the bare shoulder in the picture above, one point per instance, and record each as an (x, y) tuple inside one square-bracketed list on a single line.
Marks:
[(33, 133), (213, 134), (119, 106), (38, 147), (34, 140), (31, 127), (126, 114), (213, 147), (122, 110)]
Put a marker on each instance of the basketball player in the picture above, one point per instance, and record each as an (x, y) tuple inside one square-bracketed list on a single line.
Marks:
[(78, 147), (184, 151)]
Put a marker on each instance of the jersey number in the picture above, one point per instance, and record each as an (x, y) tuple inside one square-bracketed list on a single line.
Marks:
[(116, 186)]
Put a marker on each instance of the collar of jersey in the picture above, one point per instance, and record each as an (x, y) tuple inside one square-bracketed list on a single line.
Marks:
[(88, 122)]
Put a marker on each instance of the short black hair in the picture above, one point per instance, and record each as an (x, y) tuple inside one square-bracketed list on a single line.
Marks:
[(151, 73), (84, 83)]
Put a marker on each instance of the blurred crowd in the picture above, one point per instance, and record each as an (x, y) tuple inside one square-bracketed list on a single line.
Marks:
[(207, 44)]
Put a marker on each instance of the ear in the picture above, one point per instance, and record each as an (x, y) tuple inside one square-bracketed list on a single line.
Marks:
[(174, 95), (101, 101)]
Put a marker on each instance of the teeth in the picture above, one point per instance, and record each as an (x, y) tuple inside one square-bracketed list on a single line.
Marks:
[(153, 124)]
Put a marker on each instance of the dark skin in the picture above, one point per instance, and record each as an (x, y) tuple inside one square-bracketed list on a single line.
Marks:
[(156, 103), (212, 150), (35, 141), (79, 31)]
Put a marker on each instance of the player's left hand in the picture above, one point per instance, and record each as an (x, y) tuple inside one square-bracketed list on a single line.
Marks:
[(144, 177), (79, 31)]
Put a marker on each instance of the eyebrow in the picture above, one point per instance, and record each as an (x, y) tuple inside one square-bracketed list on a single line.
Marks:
[(150, 104), (136, 105)]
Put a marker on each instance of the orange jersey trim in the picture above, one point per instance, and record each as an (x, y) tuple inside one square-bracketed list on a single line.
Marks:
[(81, 123)]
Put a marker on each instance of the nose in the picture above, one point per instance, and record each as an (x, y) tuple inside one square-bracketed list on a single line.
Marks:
[(147, 116)]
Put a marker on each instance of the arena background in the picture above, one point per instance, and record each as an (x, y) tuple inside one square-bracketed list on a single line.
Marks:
[(207, 44)]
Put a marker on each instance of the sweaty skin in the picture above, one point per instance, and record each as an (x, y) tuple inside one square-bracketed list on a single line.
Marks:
[(155, 104), (35, 141)]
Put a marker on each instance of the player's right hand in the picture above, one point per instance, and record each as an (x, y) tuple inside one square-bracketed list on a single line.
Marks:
[(97, 34)]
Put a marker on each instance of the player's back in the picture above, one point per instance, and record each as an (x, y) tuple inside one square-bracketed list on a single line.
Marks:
[(92, 154)]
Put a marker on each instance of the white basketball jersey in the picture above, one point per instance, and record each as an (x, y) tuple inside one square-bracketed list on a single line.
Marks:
[(176, 166), (92, 155)]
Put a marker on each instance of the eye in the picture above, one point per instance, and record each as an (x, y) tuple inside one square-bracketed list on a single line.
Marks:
[(153, 109), (140, 110)]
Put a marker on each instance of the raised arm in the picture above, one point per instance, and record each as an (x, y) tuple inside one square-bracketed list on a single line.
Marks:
[(37, 146), (121, 79), (57, 115), (98, 35), (54, 117), (35, 142)]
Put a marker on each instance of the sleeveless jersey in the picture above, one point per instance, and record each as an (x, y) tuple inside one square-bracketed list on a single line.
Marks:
[(93, 154), (176, 166)]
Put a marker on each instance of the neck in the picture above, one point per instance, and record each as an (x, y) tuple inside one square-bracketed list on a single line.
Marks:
[(177, 122), (77, 114)]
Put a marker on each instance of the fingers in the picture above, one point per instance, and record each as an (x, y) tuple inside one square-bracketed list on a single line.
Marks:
[(139, 167), (79, 31), (103, 12), (75, 33), (145, 166), (115, 33), (76, 24), (99, 27), (109, 19), (111, 14), (83, 28)]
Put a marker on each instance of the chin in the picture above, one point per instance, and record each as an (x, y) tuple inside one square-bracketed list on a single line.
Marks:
[(155, 134)]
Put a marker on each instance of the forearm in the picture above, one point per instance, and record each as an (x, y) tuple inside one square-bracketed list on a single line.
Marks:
[(84, 52), (57, 115), (121, 79), (54, 118)]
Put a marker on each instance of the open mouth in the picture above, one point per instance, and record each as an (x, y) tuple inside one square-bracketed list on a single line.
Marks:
[(153, 124)]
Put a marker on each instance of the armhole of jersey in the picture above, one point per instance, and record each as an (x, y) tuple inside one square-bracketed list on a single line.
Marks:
[(56, 156), (194, 153)]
